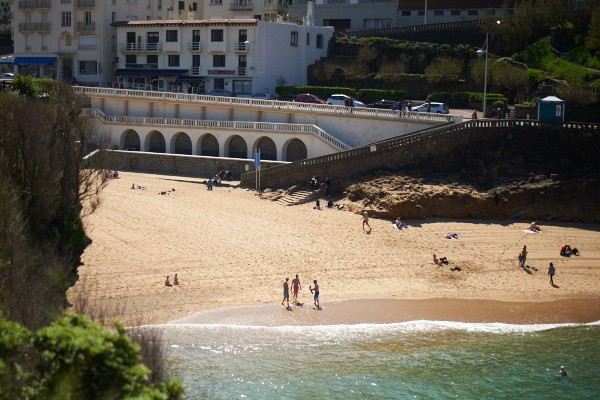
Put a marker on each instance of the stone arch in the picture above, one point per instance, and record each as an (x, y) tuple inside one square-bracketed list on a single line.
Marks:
[(208, 145), (155, 142), (181, 143), (295, 150), (236, 147), (130, 140), (267, 147)]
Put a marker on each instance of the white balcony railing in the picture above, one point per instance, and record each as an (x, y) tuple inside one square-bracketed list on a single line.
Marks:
[(240, 5), (195, 71), (195, 46), (240, 46), (241, 71), (141, 47)]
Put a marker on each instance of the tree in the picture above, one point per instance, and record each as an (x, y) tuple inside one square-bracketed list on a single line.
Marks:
[(444, 69), (509, 76), (592, 40), (73, 358)]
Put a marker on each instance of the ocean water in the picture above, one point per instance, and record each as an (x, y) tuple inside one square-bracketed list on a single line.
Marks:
[(419, 359)]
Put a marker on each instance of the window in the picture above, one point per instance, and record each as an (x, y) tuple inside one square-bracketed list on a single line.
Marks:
[(152, 37), (194, 6), (195, 36), (438, 13), (455, 13), (242, 87), (87, 18), (88, 67), (66, 18), (377, 23), (421, 13), (216, 2), (294, 39), (406, 13), (181, 5), (152, 59), (307, 39), (216, 35), (218, 60), (472, 12), (130, 37), (173, 60), (219, 83), (319, 41), (242, 61), (113, 17), (171, 35), (130, 60), (242, 35), (195, 60)]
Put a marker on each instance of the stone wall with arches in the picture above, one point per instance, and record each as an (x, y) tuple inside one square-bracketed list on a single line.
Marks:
[(198, 142)]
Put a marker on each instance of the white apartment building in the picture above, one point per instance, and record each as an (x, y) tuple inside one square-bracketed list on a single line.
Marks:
[(241, 56), (74, 39)]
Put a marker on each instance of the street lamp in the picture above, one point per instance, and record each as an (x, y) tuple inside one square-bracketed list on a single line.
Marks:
[(485, 73)]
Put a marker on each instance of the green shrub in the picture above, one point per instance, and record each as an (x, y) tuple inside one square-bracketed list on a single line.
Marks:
[(465, 99), (372, 95), (321, 91)]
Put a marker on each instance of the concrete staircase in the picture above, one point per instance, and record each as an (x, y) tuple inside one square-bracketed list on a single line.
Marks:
[(302, 194)]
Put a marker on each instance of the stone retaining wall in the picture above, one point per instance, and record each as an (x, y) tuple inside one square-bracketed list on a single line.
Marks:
[(172, 164)]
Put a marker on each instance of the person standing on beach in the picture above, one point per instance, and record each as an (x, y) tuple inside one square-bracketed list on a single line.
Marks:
[(365, 220), (286, 292), (523, 257), (551, 272), (315, 291), (295, 287)]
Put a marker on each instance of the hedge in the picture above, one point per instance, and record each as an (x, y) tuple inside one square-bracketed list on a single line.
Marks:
[(365, 95), (465, 99)]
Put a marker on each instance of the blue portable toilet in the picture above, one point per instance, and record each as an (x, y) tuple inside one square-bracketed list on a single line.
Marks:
[(551, 109)]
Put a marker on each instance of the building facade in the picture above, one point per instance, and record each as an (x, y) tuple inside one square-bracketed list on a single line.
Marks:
[(240, 56), (74, 39)]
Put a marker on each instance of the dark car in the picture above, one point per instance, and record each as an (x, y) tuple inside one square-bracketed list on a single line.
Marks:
[(308, 98), (384, 104)]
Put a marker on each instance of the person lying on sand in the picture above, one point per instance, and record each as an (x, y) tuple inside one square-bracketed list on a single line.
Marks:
[(451, 235), (441, 261), (534, 227)]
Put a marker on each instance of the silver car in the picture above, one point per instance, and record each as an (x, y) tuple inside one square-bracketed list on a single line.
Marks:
[(439, 108), (340, 100)]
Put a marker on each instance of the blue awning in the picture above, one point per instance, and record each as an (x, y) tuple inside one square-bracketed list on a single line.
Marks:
[(188, 78), (34, 60), (150, 72)]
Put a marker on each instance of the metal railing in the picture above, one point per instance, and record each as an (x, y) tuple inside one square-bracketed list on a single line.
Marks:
[(195, 46), (410, 139), (209, 124), (83, 27), (34, 27), (240, 5), (86, 3), (148, 47), (34, 4)]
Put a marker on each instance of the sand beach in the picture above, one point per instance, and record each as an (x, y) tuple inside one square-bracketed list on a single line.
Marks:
[(232, 250)]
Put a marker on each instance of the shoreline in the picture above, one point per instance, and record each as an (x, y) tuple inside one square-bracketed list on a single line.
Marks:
[(389, 311)]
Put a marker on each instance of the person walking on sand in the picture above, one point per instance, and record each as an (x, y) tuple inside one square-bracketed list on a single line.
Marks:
[(295, 287), (315, 291), (523, 257), (286, 292), (365, 220), (551, 272), (168, 282)]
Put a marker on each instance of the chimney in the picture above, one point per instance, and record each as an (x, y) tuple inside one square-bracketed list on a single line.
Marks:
[(309, 13)]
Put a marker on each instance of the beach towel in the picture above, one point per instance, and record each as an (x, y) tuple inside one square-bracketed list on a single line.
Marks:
[(530, 231), (451, 235), (403, 226)]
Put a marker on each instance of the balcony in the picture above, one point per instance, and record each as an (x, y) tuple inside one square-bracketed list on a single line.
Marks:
[(34, 4), (242, 71), (196, 71), (236, 5), (195, 46), (31, 27), (241, 47), (140, 47), (82, 27), (86, 3), (142, 66)]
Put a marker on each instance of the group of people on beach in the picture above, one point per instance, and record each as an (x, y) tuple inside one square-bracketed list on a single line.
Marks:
[(175, 281), (297, 286)]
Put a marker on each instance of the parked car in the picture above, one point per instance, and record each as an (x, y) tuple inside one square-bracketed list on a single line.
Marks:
[(439, 108), (340, 100), (263, 96), (220, 92), (7, 76), (308, 98), (384, 104)]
